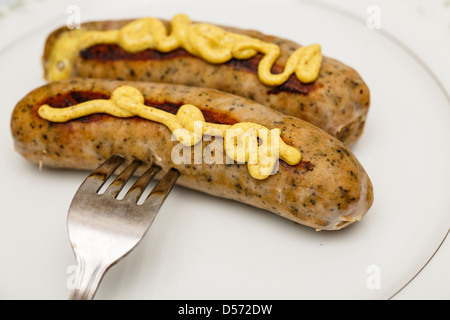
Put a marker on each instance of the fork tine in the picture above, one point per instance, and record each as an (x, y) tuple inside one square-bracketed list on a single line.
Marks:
[(118, 184), (102, 229), (158, 195), (160, 192), (99, 176), (139, 186)]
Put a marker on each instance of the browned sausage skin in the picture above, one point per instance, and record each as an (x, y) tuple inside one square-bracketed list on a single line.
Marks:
[(327, 190), (337, 102)]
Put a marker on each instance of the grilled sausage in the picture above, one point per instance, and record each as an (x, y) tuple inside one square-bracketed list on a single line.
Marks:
[(337, 102), (327, 190)]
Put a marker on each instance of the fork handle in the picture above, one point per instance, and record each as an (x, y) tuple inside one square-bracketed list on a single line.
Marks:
[(87, 280)]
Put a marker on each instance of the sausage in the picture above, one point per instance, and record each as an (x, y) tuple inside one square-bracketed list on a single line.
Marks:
[(337, 102), (327, 190)]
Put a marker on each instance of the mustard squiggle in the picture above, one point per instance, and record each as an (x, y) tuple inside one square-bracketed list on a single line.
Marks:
[(206, 41), (245, 142)]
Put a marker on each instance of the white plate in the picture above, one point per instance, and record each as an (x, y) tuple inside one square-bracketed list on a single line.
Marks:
[(201, 247)]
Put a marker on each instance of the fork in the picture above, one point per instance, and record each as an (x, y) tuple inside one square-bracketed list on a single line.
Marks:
[(103, 229)]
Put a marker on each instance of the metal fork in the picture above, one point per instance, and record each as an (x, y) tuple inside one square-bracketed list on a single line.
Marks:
[(103, 229)]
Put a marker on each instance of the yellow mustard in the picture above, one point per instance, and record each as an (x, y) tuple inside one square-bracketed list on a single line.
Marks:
[(245, 142), (206, 41)]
